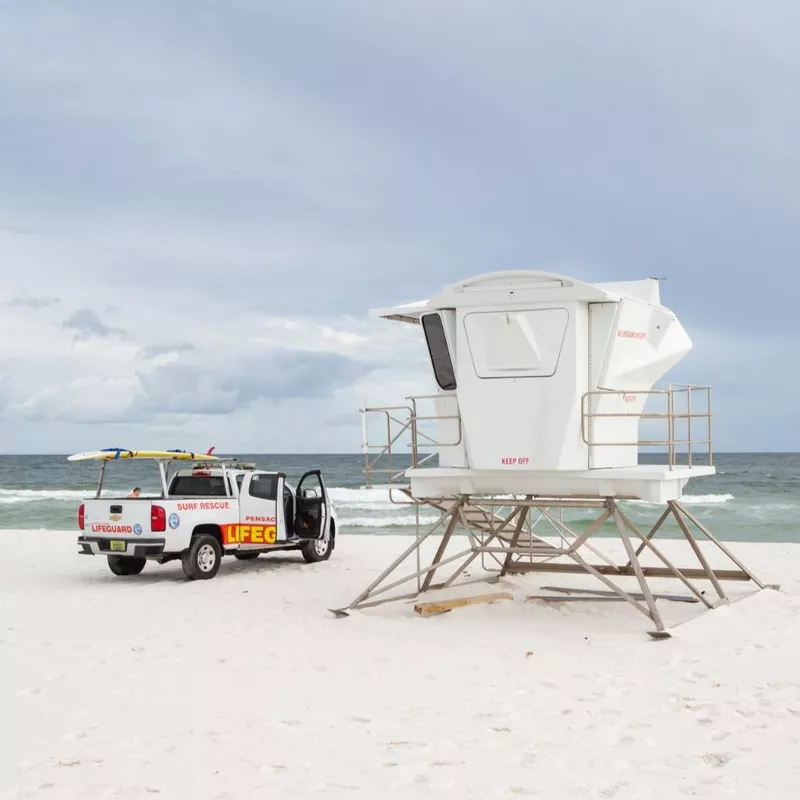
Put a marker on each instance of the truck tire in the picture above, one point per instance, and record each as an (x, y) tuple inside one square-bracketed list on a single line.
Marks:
[(126, 565), (246, 556), (202, 560), (315, 550)]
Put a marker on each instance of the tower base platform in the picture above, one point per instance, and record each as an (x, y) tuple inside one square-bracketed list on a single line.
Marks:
[(503, 533)]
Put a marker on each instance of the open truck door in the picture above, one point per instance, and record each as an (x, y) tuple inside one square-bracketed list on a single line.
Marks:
[(258, 511), (312, 507)]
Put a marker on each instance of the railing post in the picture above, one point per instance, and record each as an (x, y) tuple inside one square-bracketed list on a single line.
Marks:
[(414, 441), (365, 440), (710, 437), (671, 428), (389, 440), (689, 425)]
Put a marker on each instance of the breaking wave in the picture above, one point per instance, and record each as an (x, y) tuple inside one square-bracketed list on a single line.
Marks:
[(13, 496), (8, 496), (706, 499), (404, 521)]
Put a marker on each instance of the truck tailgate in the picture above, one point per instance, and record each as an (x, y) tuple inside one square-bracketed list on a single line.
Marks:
[(117, 519)]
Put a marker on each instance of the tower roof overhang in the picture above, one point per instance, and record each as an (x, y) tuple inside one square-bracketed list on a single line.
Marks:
[(521, 286)]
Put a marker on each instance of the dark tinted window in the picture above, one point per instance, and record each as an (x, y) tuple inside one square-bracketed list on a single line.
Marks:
[(440, 354), (198, 486), (264, 486)]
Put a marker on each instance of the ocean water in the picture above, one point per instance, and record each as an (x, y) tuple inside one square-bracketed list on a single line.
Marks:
[(753, 497)]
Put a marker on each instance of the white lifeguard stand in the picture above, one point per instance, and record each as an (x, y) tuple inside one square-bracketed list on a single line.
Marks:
[(542, 382)]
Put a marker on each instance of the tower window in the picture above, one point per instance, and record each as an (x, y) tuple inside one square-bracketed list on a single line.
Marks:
[(439, 352)]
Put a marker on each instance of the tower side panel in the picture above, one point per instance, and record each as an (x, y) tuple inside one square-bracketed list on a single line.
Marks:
[(603, 321), (632, 345)]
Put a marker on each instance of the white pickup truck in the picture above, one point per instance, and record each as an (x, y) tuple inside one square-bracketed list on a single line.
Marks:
[(210, 509)]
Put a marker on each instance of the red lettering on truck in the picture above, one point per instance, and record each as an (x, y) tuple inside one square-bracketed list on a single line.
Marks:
[(104, 527), (249, 534)]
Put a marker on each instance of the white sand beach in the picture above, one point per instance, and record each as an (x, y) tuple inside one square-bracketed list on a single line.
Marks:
[(246, 687)]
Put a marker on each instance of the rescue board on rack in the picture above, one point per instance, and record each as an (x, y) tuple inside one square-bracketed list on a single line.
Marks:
[(114, 453)]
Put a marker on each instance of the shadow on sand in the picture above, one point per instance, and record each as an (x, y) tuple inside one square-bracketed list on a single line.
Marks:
[(231, 567)]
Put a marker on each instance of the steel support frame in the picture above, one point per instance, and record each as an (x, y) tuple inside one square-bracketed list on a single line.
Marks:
[(537, 555)]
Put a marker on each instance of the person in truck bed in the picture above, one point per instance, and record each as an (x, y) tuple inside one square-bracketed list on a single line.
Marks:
[(136, 492)]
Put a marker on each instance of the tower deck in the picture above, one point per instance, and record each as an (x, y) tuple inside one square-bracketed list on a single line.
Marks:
[(656, 483)]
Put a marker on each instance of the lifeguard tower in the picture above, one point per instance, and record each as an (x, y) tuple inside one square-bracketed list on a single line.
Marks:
[(542, 382)]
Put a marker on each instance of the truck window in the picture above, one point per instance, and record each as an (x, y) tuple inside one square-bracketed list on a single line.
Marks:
[(198, 486), (264, 486)]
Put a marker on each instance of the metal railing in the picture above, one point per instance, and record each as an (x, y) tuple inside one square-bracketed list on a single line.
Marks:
[(386, 463), (672, 416), (402, 420)]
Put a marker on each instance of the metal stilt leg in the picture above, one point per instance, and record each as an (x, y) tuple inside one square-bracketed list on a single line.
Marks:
[(634, 561)]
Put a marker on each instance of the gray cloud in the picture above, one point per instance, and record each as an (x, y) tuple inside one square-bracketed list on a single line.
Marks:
[(17, 230), (213, 389), (28, 301), (86, 324), (178, 391), (153, 351)]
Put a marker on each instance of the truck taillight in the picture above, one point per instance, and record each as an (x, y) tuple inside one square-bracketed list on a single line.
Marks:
[(158, 519), (81, 516)]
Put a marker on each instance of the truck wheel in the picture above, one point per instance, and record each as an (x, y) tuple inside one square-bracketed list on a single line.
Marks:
[(202, 560), (246, 556), (317, 549), (126, 565)]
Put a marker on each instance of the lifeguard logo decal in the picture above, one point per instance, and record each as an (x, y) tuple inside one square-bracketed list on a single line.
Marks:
[(248, 534)]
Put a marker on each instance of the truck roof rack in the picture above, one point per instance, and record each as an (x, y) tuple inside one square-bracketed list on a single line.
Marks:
[(230, 463)]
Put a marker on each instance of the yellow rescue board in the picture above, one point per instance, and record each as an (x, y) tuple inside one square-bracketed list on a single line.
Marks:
[(119, 453)]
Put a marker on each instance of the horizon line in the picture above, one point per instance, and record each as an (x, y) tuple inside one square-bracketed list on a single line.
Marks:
[(403, 455)]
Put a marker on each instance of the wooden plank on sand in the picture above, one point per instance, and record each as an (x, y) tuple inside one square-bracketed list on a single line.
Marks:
[(443, 606)]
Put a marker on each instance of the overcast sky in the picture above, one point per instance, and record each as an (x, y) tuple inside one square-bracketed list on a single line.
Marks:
[(201, 199)]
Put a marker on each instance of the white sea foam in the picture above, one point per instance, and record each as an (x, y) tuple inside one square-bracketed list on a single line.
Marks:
[(692, 500), (11, 496), (8, 496), (370, 497), (706, 499), (397, 521)]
